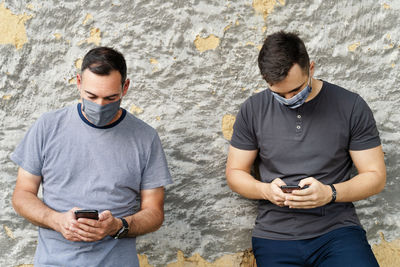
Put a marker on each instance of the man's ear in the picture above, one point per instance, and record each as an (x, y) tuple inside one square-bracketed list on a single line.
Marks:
[(126, 86), (312, 68), (78, 81)]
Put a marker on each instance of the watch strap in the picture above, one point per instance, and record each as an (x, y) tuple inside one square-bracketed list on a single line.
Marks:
[(123, 231), (333, 193)]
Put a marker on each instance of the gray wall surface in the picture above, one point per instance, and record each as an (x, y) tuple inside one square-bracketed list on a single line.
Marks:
[(192, 63)]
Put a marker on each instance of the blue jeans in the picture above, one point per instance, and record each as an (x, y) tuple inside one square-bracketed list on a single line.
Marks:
[(347, 246)]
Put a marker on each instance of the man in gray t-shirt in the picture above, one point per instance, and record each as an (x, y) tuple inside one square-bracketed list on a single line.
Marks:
[(92, 156), (307, 134)]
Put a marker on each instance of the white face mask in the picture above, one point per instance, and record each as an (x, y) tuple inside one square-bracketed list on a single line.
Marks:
[(100, 115)]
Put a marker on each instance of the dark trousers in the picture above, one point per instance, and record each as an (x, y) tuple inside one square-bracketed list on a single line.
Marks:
[(347, 246)]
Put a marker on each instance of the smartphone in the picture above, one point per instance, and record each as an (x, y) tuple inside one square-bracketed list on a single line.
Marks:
[(290, 188), (89, 214)]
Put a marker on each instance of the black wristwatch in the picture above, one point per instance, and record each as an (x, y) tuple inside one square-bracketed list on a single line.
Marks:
[(333, 193), (123, 232)]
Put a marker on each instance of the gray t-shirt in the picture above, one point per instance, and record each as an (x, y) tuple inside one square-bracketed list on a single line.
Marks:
[(311, 141), (90, 167)]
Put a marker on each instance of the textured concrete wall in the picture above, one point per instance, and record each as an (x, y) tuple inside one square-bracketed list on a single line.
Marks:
[(192, 63)]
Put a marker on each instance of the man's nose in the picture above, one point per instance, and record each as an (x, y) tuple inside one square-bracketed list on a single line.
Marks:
[(289, 95), (100, 101)]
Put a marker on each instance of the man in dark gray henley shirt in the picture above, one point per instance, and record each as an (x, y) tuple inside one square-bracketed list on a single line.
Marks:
[(307, 133)]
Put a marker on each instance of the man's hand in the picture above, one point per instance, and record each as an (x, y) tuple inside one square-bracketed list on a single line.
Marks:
[(90, 230), (64, 222), (316, 195), (274, 192)]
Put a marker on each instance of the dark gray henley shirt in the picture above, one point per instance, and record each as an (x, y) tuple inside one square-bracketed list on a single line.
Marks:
[(311, 141)]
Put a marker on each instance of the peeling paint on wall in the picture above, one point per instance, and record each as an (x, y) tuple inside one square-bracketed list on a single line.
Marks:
[(8, 231), (95, 37), (209, 43), (87, 18), (241, 259), (353, 47), (78, 63), (203, 81), (387, 253), (227, 126), (265, 7), (136, 110), (12, 27)]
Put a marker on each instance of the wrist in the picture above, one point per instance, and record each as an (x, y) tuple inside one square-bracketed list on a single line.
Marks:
[(116, 226), (123, 231), (55, 220), (333, 196), (264, 189)]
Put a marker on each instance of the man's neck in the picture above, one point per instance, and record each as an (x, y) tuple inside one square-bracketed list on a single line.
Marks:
[(316, 86)]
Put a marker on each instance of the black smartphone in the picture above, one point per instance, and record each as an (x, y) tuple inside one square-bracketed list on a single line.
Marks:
[(89, 214), (290, 188)]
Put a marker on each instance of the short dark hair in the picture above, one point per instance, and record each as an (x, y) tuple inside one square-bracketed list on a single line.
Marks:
[(103, 60), (279, 53)]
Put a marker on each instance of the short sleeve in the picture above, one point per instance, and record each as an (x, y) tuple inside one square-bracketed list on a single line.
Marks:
[(243, 131), (156, 173), (364, 133), (29, 153)]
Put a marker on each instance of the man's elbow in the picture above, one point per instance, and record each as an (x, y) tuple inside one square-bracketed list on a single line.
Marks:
[(159, 219), (228, 175), (381, 181), (15, 201)]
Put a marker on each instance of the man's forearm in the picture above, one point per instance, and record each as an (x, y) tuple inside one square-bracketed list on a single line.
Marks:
[(246, 185), (360, 187), (145, 221), (33, 209)]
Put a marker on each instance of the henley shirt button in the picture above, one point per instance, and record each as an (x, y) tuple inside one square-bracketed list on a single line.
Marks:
[(298, 127), (299, 116)]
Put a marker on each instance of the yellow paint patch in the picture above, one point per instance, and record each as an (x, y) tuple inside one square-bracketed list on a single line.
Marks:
[(250, 43), (12, 27), (386, 6), (241, 259), (265, 7), (135, 110), (153, 61), (25, 265), (78, 63), (72, 81), (227, 126), (393, 65), (58, 36), (8, 231), (87, 18), (227, 27), (353, 47), (158, 118), (7, 97), (387, 253), (209, 43), (143, 261), (30, 6), (237, 23), (264, 29), (95, 36)]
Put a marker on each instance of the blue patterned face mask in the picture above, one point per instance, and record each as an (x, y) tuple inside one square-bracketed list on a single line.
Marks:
[(297, 100)]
